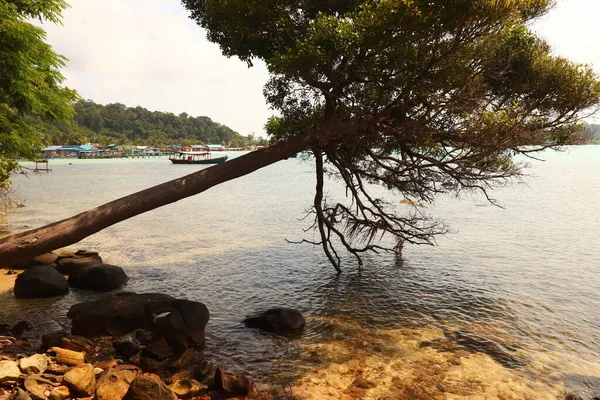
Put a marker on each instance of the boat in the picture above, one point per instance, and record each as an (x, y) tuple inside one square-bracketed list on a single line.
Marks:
[(196, 157)]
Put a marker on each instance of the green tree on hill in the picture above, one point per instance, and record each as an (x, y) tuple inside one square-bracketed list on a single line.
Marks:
[(420, 97), (30, 81)]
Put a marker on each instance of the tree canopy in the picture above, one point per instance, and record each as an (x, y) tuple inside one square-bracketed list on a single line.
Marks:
[(421, 97), (30, 81)]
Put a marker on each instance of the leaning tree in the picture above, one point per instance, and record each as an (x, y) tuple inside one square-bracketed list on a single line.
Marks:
[(421, 97)]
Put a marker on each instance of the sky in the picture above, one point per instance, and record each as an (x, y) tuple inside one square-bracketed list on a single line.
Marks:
[(149, 53)]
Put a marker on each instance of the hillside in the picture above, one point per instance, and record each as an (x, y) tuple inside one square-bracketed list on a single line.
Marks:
[(595, 130), (119, 124)]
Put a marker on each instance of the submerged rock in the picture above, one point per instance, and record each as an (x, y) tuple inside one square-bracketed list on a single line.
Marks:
[(98, 277), (181, 322), (229, 385), (40, 281), (582, 387), (277, 320)]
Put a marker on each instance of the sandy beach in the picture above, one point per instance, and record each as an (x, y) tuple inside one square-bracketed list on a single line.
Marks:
[(6, 281)]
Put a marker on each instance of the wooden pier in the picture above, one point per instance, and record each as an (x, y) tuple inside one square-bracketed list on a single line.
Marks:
[(41, 166)]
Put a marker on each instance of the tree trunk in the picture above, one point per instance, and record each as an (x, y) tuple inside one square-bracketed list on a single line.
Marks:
[(26, 245)]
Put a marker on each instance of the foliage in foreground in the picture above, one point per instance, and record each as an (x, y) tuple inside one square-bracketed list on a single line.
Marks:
[(30, 81), (421, 97)]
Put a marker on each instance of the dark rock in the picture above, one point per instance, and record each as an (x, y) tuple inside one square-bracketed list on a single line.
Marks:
[(77, 343), (158, 350), (41, 281), (20, 327), (162, 315), (145, 388), (582, 387), (363, 383), (148, 364), (500, 352), (277, 320), (52, 339), (98, 277), (43, 259), (128, 345), (10, 272), (114, 316), (66, 266), (229, 385)]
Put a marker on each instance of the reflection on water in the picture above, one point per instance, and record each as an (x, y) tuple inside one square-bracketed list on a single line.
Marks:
[(521, 279)]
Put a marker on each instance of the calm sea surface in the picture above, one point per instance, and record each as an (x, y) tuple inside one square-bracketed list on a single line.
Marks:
[(524, 276)]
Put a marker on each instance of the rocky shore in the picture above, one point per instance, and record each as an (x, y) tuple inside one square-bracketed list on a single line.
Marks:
[(150, 346), (123, 346)]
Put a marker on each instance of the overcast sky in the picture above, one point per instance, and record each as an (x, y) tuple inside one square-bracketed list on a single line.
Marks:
[(148, 53)]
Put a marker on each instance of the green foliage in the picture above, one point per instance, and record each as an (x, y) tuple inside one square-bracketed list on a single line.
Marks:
[(30, 81), (419, 96), (119, 124)]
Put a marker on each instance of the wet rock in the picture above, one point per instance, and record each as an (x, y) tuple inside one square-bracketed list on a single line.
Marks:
[(68, 357), (52, 339), (277, 320), (181, 322), (15, 330), (98, 277), (148, 364), (43, 259), (582, 387), (60, 393), (81, 379), (362, 383), (145, 388), (158, 350), (128, 345), (501, 353), (114, 316), (181, 360), (36, 364), (67, 263), (113, 385), (41, 281), (9, 371), (230, 385)]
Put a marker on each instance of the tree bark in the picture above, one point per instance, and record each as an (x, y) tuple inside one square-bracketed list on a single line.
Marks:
[(26, 245)]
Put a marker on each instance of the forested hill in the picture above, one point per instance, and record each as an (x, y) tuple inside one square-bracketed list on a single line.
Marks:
[(119, 124), (595, 130)]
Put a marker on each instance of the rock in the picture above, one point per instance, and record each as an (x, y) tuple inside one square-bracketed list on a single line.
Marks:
[(67, 263), (177, 320), (501, 353), (582, 387), (113, 385), (77, 343), (148, 364), (21, 327), (52, 339), (81, 379), (186, 388), (145, 388), (277, 320), (44, 259), (362, 383), (9, 371), (229, 385), (98, 277), (22, 395), (36, 364), (158, 350), (128, 345), (59, 393), (41, 281), (38, 385), (68, 357)]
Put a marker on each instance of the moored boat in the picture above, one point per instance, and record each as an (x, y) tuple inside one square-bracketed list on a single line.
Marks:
[(195, 157)]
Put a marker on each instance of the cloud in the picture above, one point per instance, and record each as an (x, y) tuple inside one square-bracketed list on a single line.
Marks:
[(148, 53)]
